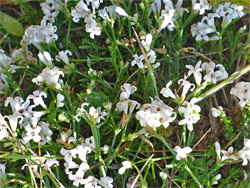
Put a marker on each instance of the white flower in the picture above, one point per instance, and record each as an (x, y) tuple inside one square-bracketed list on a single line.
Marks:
[(45, 133), (92, 26), (2, 172), (50, 76), (37, 98), (105, 149), (151, 56), (146, 44), (186, 86), (223, 71), (217, 112), (208, 67), (155, 114), (46, 58), (167, 20), (3, 128), (90, 142), (96, 114), (82, 152), (109, 13), (156, 6), (14, 119), (32, 133), (59, 100), (138, 61), (49, 33), (163, 175), (106, 182), (81, 11), (69, 154), (125, 165), (242, 91), (217, 149), (215, 179), (190, 111), (201, 31), (17, 104), (202, 6), (228, 154), (224, 9), (245, 152), (63, 55), (166, 92), (127, 90), (127, 106), (94, 3), (195, 71), (182, 152), (81, 111), (210, 18)]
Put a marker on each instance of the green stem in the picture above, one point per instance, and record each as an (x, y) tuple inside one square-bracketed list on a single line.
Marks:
[(166, 144), (147, 63), (96, 135), (69, 26), (220, 44), (184, 134), (193, 176)]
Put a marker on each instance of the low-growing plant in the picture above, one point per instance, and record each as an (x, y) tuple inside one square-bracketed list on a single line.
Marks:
[(150, 93)]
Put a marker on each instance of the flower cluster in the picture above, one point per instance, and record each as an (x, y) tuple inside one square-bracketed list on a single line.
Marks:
[(76, 172), (242, 91), (50, 9), (207, 26), (214, 73), (243, 154), (36, 34), (169, 14), (82, 11), (229, 12), (28, 119), (155, 114), (190, 112)]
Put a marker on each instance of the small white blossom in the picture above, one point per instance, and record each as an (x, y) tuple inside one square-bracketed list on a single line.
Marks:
[(242, 91), (125, 165), (182, 152), (63, 55), (59, 100), (32, 133), (196, 71), (81, 11), (228, 154), (167, 92), (146, 44), (127, 90), (37, 98), (217, 112), (138, 61)]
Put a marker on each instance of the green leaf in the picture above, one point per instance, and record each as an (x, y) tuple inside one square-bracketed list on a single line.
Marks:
[(96, 99), (11, 25)]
